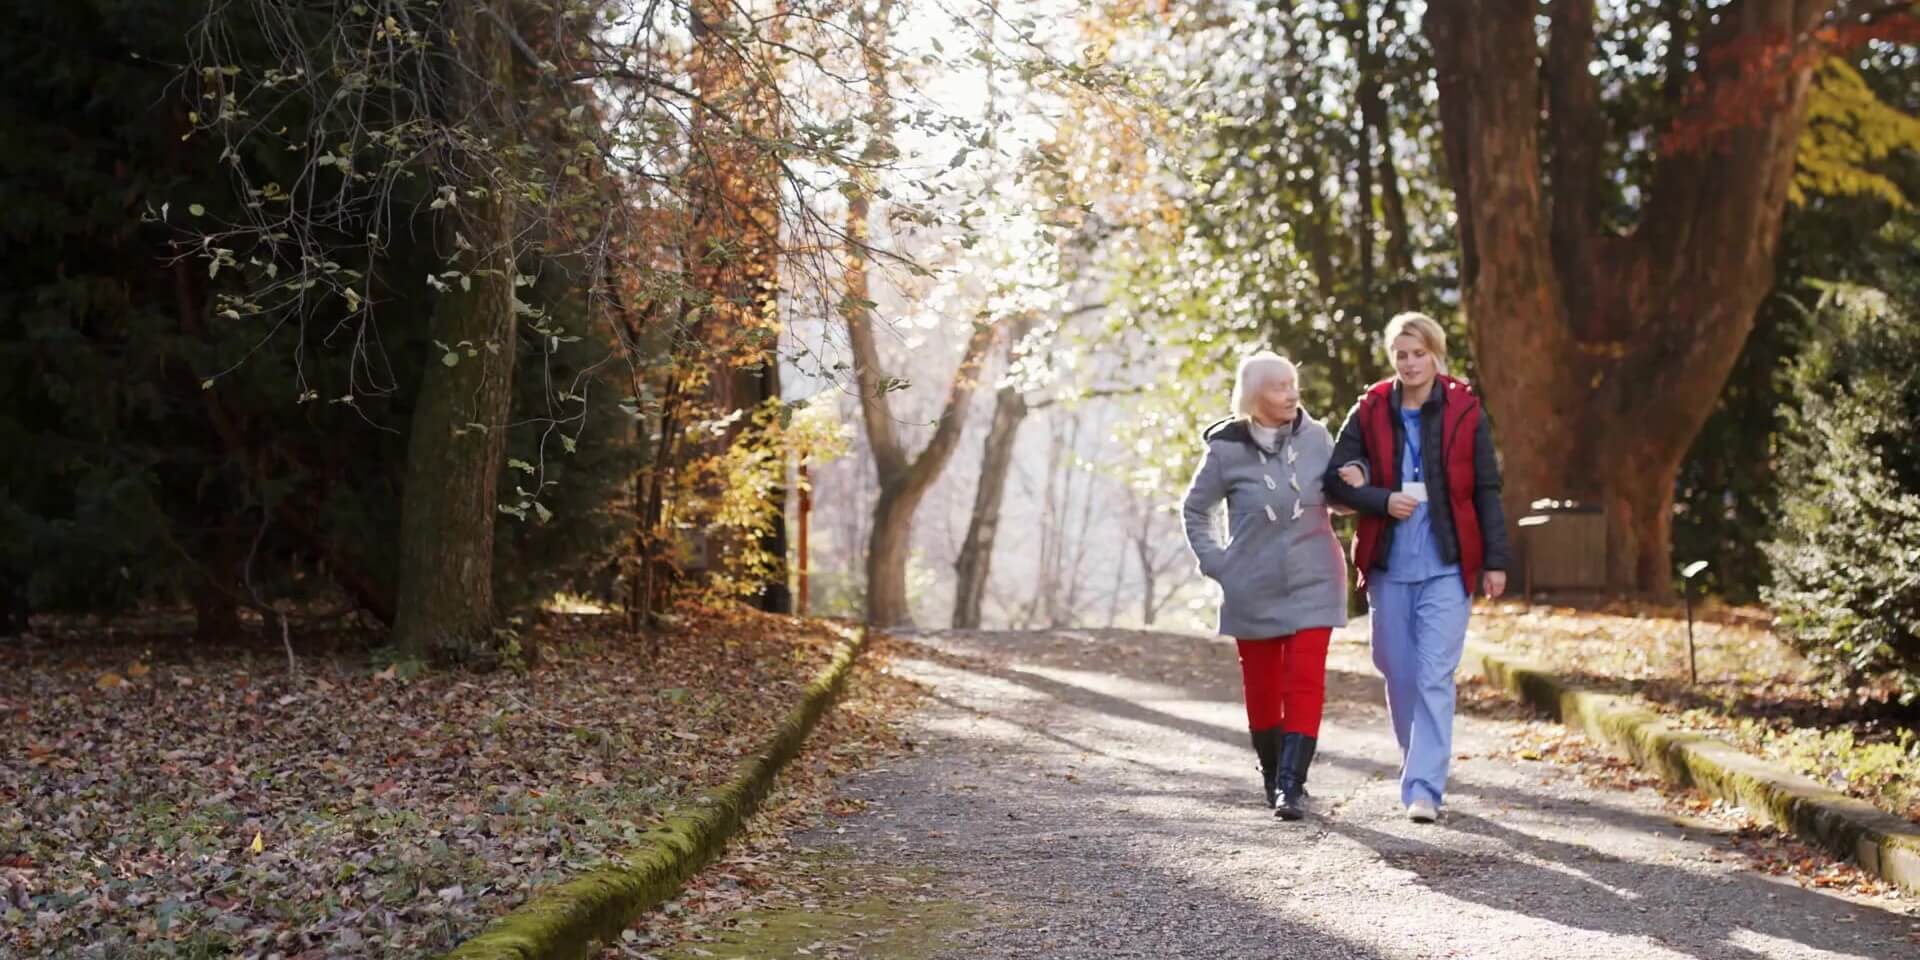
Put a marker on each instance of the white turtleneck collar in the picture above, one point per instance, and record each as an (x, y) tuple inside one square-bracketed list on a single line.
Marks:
[(1265, 436)]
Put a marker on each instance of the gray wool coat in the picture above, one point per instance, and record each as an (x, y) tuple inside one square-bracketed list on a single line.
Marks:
[(1280, 566)]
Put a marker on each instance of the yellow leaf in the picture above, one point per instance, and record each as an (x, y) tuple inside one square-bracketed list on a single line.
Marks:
[(1848, 133), (138, 670), (259, 843), (108, 681)]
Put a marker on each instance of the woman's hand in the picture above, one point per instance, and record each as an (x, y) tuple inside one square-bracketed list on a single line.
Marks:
[(1399, 505), (1496, 583), (1352, 476)]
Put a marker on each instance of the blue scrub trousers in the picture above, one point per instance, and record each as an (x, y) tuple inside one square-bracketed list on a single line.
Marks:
[(1419, 632)]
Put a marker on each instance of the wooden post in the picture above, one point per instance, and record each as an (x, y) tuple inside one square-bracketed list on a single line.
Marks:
[(800, 551)]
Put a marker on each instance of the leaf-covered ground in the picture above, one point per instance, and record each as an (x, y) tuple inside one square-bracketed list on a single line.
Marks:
[(1753, 689), (156, 801)]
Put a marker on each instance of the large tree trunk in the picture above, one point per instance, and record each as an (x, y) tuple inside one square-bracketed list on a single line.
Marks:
[(458, 436), (1601, 355), (975, 565), (903, 480), (454, 454)]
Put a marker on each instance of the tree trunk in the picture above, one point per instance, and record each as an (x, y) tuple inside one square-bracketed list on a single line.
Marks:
[(975, 565), (902, 490), (1113, 595), (1148, 609), (903, 480), (1601, 355), (888, 549), (458, 436), (1068, 613)]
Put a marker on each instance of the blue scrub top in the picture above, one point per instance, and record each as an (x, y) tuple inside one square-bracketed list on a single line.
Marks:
[(1416, 551)]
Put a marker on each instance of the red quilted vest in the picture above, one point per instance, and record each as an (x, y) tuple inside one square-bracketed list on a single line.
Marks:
[(1462, 413)]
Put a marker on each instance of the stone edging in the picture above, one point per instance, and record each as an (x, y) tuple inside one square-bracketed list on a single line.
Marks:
[(570, 920), (1882, 844)]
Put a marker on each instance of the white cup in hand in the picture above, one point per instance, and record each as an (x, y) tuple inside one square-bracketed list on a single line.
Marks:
[(1400, 506)]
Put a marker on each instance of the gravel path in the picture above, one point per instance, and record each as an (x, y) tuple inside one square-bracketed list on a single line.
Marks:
[(1091, 794)]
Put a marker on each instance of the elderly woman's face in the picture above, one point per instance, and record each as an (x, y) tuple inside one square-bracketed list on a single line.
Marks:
[(1278, 399), (1415, 364)]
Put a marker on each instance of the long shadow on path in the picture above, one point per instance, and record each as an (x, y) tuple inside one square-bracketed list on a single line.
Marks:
[(1591, 890), (1736, 916)]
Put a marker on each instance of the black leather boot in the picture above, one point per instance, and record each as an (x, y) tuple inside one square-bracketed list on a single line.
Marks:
[(1266, 745), (1296, 752)]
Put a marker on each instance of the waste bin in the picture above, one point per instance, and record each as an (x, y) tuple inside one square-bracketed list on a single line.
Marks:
[(1563, 545)]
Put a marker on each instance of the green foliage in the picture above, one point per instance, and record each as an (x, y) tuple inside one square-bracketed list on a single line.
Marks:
[(1846, 585), (1283, 114), (136, 480), (736, 496), (1294, 110), (114, 487), (569, 470)]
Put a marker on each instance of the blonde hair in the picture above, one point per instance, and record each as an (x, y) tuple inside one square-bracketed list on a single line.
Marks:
[(1422, 326), (1255, 370)]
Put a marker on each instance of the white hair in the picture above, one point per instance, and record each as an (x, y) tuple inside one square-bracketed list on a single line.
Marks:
[(1254, 372)]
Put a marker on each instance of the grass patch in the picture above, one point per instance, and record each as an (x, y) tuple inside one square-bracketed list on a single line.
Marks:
[(842, 911)]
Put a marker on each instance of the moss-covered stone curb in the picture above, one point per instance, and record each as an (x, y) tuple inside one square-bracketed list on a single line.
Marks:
[(570, 920), (1882, 844)]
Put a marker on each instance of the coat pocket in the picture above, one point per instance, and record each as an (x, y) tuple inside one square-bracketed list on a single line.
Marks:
[(1238, 526), (1253, 573), (1314, 559)]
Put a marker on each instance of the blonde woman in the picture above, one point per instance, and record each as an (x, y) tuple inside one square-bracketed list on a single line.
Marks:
[(1431, 531), (1281, 570)]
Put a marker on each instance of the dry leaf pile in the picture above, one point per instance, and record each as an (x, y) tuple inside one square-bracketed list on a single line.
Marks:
[(171, 804)]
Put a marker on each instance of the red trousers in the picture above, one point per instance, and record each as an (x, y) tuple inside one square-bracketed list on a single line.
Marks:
[(1286, 680)]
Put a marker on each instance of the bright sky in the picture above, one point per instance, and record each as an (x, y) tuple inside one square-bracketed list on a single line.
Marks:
[(940, 76)]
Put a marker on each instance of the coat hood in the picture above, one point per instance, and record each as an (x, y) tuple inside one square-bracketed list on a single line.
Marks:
[(1237, 429)]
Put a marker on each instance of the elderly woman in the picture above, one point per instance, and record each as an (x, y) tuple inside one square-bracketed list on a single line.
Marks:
[(1281, 569), (1431, 530)]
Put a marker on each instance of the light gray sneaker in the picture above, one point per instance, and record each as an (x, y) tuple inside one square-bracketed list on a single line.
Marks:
[(1422, 811)]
